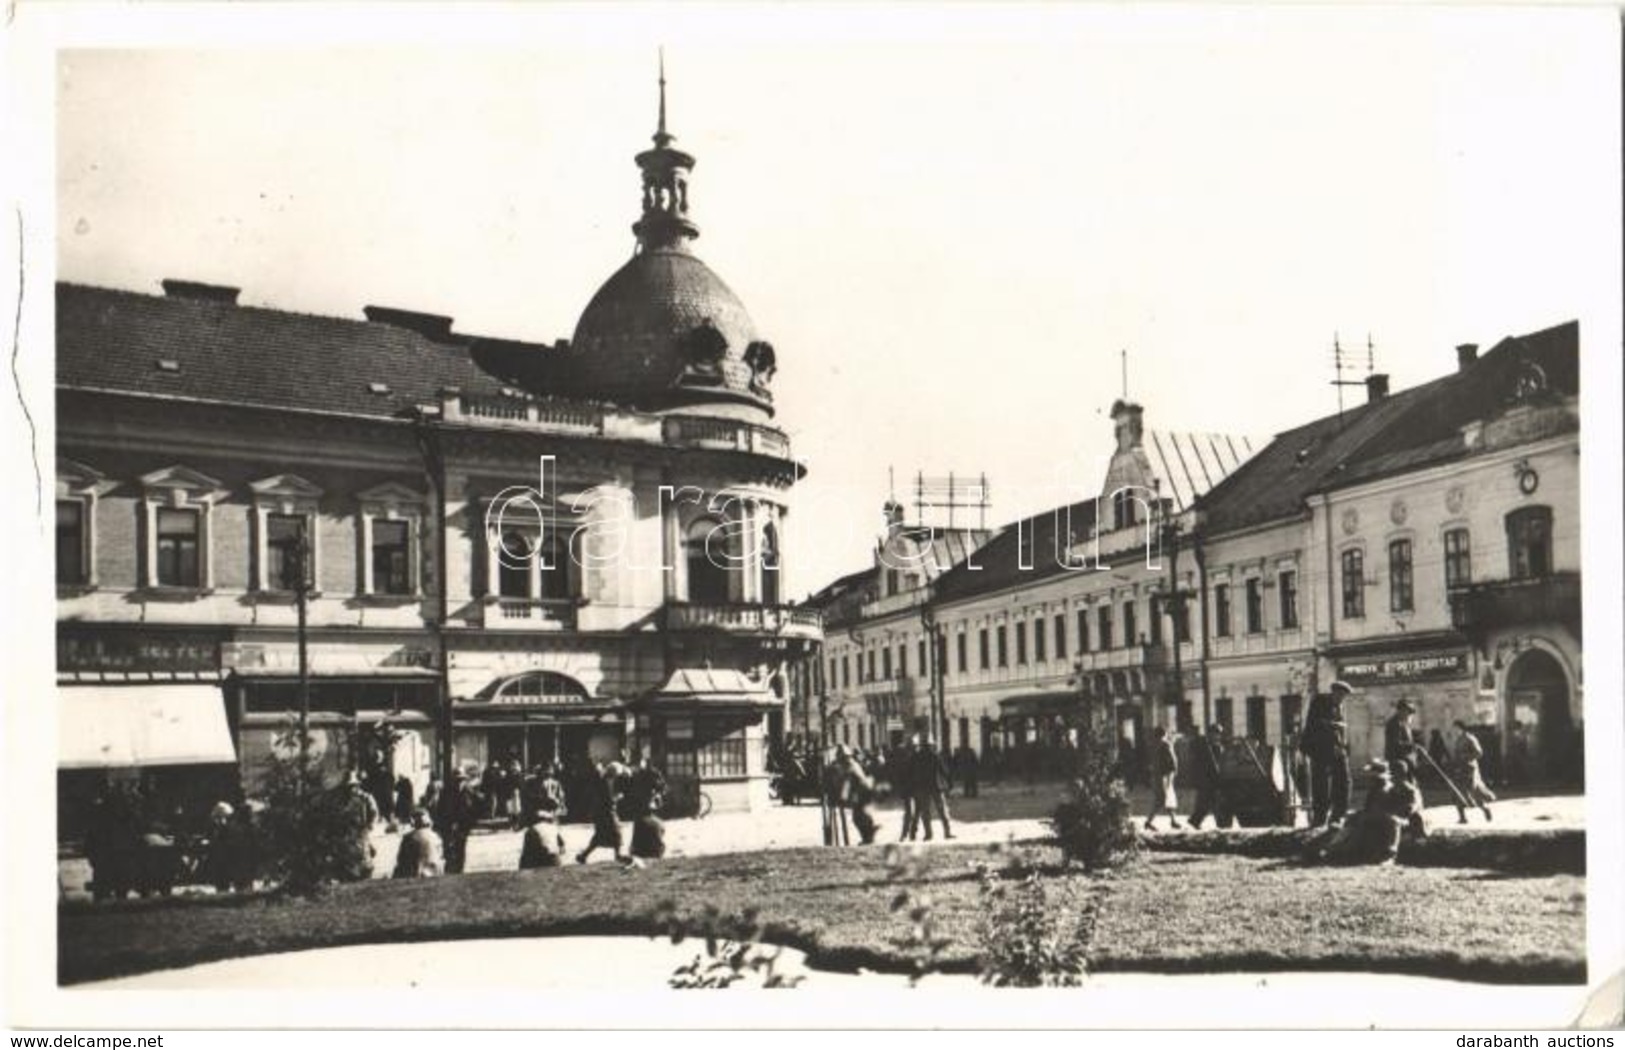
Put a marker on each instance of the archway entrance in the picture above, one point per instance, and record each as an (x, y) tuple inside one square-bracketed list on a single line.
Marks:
[(1541, 737)]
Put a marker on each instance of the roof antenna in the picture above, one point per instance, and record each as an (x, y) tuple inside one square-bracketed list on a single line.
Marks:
[(1124, 355), (1370, 356), (661, 135)]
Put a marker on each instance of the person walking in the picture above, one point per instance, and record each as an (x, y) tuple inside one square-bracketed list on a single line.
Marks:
[(900, 773), (454, 816), (1205, 778), (1469, 757), (605, 804), (1164, 765), (928, 776), (645, 790), (421, 853)]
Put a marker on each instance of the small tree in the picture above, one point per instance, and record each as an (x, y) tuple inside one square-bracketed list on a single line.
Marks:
[(310, 834), (1093, 824)]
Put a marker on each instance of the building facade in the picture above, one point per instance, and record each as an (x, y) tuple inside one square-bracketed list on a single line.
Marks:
[(511, 552), (1424, 545)]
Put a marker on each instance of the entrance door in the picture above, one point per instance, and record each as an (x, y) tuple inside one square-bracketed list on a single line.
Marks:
[(1541, 736)]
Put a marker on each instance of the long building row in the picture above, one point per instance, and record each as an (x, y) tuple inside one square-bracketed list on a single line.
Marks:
[(1424, 545)]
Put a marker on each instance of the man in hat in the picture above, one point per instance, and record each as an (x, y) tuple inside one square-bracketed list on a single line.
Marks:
[(1325, 743), (420, 851), (1399, 734)]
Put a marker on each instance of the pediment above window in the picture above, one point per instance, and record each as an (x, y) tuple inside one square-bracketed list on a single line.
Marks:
[(182, 485), (77, 479), (389, 498)]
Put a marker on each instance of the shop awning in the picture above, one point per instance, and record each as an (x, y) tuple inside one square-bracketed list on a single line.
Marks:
[(168, 724), (709, 687)]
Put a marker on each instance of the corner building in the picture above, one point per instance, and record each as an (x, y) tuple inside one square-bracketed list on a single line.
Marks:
[(517, 551)]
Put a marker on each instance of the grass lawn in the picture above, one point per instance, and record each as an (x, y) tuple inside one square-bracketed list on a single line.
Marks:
[(1171, 912)]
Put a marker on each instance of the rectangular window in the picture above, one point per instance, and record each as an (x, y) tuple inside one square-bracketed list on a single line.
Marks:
[(1400, 593), (1004, 646), (282, 551), (1291, 716), (981, 640), (1130, 634), (1255, 605), (1021, 642), (833, 676), (1529, 542), (1255, 718), (178, 548), (1040, 646), (1458, 558), (963, 658), (1083, 630), (1221, 611), (719, 747), (1103, 636), (846, 671), (70, 541), (1353, 584), (1182, 619), (1288, 584), (1224, 713), (885, 663), (1156, 619), (390, 560), (1060, 636), (925, 668), (869, 675)]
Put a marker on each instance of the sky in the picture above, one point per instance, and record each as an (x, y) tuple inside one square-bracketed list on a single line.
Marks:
[(951, 222)]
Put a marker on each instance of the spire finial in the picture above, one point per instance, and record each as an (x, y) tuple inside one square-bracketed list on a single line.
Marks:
[(661, 135)]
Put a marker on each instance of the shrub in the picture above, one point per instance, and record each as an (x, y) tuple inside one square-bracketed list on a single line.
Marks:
[(1026, 942), (732, 952), (1093, 824), (921, 941)]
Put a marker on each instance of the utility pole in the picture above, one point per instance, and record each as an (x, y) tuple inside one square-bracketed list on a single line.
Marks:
[(296, 577), (434, 469)]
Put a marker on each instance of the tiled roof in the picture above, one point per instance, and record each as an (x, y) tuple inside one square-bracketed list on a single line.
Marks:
[(1403, 431), (214, 351), (999, 560)]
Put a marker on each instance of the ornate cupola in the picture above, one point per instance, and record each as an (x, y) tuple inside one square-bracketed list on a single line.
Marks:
[(665, 333), (665, 222)]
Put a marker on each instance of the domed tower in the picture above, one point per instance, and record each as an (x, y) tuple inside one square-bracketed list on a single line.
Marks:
[(664, 333)]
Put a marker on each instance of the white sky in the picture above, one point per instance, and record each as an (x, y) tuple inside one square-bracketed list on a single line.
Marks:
[(949, 221)]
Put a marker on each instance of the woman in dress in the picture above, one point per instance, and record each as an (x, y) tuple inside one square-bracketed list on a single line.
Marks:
[(1164, 764)]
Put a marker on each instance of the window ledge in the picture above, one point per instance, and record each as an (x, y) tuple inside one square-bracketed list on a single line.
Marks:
[(165, 593), (281, 597), (559, 603), (75, 590), (389, 600)]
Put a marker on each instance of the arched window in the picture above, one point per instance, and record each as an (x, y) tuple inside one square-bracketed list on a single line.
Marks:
[(1529, 542), (770, 565), (705, 553)]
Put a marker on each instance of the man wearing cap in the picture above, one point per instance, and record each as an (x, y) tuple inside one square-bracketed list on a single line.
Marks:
[(1325, 742), (1398, 735)]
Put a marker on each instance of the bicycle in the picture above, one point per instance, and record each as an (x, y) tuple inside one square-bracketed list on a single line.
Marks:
[(684, 801)]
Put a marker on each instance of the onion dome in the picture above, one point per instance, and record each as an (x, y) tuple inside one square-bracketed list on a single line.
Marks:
[(665, 332)]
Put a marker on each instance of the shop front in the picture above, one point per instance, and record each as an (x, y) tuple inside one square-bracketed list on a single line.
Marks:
[(166, 738), (378, 723), (706, 730), (1434, 673), (536, 718)]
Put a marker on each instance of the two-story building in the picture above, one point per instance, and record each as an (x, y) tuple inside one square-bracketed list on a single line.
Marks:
[(511, 552)]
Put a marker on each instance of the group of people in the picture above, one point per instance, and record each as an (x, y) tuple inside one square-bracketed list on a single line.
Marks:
[(1324, 745), (916, 773)]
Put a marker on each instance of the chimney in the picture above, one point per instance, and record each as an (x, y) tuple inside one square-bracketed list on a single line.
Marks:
[(1466, 354), (432, 326), (1128, 420), (1376, 387), (197, 291)]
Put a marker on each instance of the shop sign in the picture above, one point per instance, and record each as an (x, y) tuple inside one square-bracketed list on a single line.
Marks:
[(154, 653), (1380, 671)]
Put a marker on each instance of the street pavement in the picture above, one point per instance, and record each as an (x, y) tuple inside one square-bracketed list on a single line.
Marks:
[(1003, 813)]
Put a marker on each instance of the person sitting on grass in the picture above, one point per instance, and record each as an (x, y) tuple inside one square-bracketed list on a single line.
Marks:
[(421, 852), (1373, 836)]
